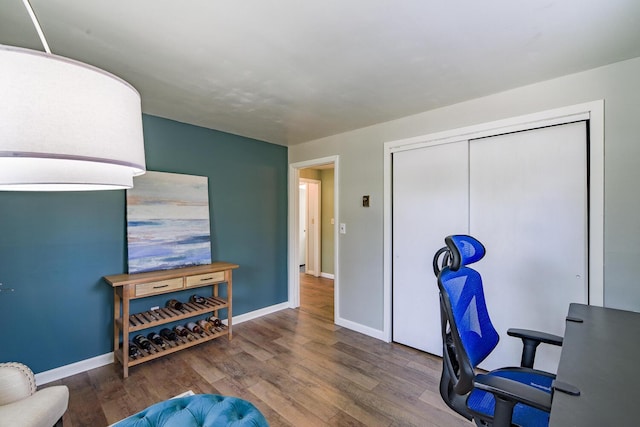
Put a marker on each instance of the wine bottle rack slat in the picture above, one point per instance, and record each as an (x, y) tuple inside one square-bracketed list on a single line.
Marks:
[(172, 346), (148, 319), (127, 287)]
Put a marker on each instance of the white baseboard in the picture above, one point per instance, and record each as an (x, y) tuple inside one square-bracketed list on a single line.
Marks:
[(73, 368), (106, 359), (327, 275), (366, 330), (259, 313)]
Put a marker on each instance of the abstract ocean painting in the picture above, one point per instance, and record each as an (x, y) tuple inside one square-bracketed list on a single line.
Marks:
[(168, 222)]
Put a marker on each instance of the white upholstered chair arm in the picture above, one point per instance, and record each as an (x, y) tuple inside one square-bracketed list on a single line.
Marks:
[(44, 408), (16, 382), (21, 405)]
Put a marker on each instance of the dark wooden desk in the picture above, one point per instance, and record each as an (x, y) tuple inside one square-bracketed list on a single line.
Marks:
[(600, 357)]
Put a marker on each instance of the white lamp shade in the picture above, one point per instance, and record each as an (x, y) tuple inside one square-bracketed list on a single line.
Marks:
[(65, 125)]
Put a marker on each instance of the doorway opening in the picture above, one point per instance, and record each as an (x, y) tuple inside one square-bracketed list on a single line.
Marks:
[(313, 244), (310, 217)]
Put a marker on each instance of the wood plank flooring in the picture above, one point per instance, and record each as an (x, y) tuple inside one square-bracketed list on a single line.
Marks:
[(296, 366), (316, 296)]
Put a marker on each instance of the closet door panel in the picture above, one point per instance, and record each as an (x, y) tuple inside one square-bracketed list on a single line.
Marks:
[(528, 206), (430, 201)]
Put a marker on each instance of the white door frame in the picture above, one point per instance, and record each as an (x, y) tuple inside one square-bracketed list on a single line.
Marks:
[(294, 229), (593, 111), (314, 229)]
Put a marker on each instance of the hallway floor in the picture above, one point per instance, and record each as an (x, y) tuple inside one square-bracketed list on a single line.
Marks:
[(316, 296)]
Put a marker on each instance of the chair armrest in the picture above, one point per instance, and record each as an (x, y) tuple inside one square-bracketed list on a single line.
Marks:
[(44, 408), (536, 336), (530, 341), (16, 382), (514, 391)]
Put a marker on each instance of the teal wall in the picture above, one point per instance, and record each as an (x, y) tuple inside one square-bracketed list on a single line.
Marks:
[(55, 247)]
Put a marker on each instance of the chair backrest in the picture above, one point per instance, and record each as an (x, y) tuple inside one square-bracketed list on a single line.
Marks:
[(468, 336)]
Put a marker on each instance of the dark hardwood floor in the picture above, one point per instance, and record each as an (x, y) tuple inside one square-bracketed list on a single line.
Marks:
[(296, 366)]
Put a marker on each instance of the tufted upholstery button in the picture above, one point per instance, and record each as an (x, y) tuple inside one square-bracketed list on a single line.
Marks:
[(196, 411)]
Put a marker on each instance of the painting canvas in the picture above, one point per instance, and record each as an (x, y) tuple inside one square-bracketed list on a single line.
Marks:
[(168, 222)]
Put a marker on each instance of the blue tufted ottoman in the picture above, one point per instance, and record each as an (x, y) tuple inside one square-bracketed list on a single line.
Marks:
[(207, 410)]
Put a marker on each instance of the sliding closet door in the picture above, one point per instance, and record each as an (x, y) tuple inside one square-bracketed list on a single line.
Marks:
[(430, 201), (528, 205)]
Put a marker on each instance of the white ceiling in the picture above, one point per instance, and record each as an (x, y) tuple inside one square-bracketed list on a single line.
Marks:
[(289, 71)]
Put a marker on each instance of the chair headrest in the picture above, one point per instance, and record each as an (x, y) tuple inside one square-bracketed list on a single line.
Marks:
[(464, 250)]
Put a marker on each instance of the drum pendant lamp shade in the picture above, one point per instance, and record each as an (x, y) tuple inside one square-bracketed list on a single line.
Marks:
[(66, 125)]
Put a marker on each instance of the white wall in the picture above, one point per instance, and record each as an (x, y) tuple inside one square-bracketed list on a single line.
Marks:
[(361, 172)]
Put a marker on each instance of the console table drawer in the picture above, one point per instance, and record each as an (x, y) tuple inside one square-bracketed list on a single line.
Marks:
[(158, 287), (204, 279)]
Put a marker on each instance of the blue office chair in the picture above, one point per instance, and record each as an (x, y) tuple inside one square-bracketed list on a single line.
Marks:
[(518, 396)]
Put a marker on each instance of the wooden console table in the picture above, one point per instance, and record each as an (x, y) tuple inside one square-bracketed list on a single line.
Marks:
[(127, 287)]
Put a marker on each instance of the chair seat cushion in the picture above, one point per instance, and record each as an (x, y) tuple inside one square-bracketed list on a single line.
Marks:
[(198, 410), (483, 403)]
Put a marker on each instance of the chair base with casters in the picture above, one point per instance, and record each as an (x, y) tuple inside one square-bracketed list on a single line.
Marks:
[(21, 405), (519, 396)]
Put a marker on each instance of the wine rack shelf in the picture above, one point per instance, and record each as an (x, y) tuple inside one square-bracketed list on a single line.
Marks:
[(152, 318), (180, 343), (127, 287)]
